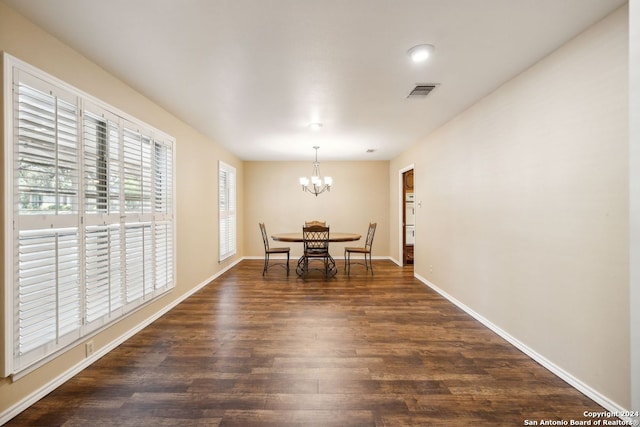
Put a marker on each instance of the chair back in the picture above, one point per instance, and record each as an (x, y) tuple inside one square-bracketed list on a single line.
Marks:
[(265, 238), (370, 233), (310, 223), (315, 239)]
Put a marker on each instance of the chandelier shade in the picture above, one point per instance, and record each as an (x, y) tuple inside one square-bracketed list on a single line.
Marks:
[(316, 184)]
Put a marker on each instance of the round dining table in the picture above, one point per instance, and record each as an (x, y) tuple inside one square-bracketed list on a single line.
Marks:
[(333, 237)]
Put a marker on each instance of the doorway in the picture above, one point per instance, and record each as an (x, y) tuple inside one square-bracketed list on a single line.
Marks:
[(408, 217)]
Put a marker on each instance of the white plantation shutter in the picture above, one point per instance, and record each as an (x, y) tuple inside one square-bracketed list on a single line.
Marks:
[(103, 274), (147, 174), (163, 178), (114, 168), (36, 161), (132, 167), (116, 270), (37, 291), (46, 248), (97, 273), (48, 294), (163, 254), (227, 210), (147, 253), (92, 233), (67, 158), (96, 171), (104, 260), (163, 214), (134, 267), (47, 160), (68, 277)]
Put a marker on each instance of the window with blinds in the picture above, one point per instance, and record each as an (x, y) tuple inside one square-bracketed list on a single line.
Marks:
[(227, 210), (90, 206)]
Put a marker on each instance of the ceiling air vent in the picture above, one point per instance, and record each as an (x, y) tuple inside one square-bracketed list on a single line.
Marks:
[(422, 90)]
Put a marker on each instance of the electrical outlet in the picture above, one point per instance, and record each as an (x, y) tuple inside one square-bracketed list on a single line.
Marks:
[(88, 346)]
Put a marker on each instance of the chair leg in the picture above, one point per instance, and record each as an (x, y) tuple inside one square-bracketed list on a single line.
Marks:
[(305, 267), (345, 260), (300, 267), (326, 268), (368, 264), (287, 263), (266, 263)]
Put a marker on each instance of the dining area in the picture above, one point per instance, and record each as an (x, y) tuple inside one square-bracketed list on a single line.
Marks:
[(314, 238), (272, 195)]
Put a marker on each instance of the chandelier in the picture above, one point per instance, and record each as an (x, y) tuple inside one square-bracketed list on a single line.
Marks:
[(315, 184)]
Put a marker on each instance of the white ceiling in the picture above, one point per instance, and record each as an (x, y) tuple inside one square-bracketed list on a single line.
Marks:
[(252, 74)]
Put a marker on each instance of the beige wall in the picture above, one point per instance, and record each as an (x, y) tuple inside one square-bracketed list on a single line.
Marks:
[(196, 179), (525, 208), (360, 194), (634, 180)]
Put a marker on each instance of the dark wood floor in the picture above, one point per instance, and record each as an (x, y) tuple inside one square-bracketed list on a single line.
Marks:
[(276, 351)]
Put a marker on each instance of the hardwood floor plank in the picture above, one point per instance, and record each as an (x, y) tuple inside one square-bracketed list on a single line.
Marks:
[(337, 402), (285, 418), (359, 350)]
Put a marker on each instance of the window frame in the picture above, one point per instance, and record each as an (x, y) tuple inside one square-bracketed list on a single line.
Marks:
[(159, 221)]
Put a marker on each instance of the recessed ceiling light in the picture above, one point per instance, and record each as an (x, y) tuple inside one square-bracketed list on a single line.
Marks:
[(421, 52), (315, 126)]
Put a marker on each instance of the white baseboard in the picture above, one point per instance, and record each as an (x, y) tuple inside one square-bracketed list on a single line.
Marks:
[(14, 410), (398, 263), (585, 389)]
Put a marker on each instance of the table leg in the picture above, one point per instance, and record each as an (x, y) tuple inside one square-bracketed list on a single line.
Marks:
[(330, 270)]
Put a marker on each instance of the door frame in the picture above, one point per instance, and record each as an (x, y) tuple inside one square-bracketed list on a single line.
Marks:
[(400, 208)]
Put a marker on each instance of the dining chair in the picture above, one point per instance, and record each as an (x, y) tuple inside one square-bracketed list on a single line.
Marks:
[(268, 251), (316, 246), (310, 223), (366, 250)]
